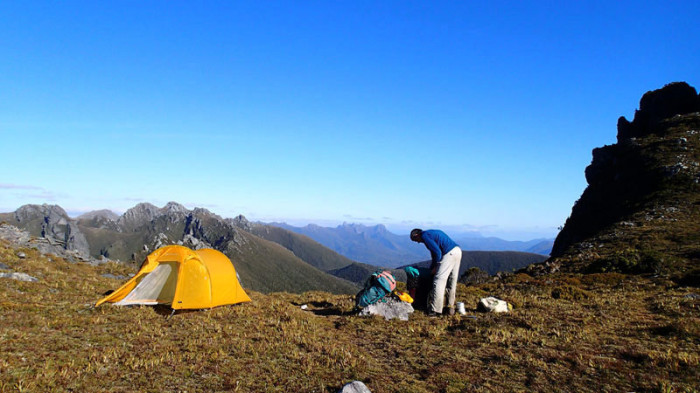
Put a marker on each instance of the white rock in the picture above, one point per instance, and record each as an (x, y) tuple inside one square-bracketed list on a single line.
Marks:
[(491, 304), (355, 387)]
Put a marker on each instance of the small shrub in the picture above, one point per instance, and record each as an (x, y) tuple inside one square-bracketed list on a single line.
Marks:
[(474, 276), (630, 261), (603, 278), (690, 279), (568, 292), (575, 281), (521, 278)]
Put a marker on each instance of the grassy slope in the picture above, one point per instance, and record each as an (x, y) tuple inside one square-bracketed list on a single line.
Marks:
[(605, 332), (267, 267), (303, 247), (359, 272)]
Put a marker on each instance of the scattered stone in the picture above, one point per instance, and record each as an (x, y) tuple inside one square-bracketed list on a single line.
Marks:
[(502, 275), (112, 276), (543, 268), (674, 169), (19, 277), (390, 309), (4, 267), (355, 387), (21, 255), (692, 296)]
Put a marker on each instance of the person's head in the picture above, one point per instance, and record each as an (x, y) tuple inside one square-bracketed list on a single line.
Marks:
[(417, 235)]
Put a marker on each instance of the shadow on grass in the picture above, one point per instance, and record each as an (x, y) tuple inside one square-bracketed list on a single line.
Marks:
[(333, 312)]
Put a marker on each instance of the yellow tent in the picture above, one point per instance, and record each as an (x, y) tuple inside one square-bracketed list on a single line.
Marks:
[(183, 279)]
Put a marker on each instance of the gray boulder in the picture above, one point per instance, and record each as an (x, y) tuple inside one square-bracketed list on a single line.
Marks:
[(392, 308)]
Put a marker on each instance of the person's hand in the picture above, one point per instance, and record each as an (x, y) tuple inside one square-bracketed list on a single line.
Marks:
[(434, 271)]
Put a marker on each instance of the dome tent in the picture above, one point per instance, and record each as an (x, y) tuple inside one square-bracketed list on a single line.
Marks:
[(183, 279)]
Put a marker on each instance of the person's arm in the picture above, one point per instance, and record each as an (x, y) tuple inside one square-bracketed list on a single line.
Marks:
[(434, 249)]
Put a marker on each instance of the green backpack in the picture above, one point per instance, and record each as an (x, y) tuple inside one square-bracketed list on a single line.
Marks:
[(377, 286)]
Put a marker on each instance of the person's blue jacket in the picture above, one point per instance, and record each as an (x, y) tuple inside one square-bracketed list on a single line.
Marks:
[(438, 243)]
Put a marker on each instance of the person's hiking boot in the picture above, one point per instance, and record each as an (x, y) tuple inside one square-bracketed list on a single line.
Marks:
[(433, 314), (451, 311)]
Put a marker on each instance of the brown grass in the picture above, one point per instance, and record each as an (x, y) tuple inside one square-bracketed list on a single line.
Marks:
[(608, 332)]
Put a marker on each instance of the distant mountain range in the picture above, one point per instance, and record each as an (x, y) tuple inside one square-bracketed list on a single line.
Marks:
[(375, 245), (268, 258)]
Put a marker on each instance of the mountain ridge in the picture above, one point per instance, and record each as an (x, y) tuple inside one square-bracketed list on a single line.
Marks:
[(262, 265), (376, 245)]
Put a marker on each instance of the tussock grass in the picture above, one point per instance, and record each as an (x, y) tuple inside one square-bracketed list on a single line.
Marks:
[(626, 334)]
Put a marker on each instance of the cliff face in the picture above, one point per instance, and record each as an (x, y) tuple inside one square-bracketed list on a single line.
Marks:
[(51, 222), (641, 210)]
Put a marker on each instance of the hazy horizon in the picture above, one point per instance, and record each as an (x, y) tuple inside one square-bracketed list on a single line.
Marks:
[(398, 229)]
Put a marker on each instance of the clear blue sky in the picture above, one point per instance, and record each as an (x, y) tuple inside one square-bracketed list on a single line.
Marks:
[(460, 115)]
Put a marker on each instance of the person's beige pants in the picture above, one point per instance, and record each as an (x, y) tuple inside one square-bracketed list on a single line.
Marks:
[(446, 278)]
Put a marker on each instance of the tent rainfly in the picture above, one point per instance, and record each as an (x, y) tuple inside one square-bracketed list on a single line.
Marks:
[(183, 279)]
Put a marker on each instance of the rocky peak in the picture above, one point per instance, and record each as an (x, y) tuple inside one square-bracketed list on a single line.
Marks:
[(352, 227), (639, 212), (676, 98), (53, 213), (99, 214), (202, 212), (174, 207), (138, 215), (241, 222), (366, 231)]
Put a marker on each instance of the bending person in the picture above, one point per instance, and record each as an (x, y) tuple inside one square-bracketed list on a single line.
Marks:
[(446, 258)]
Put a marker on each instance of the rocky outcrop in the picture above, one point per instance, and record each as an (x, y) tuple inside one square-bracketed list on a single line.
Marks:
[(52, 223), (20, 238), (673, 99), (639, 212)]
